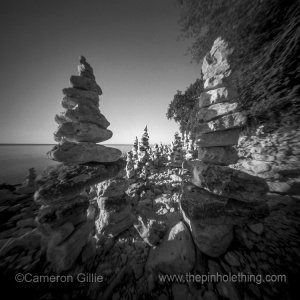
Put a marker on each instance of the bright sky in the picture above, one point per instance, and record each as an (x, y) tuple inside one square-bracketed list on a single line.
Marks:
[(131, 45)]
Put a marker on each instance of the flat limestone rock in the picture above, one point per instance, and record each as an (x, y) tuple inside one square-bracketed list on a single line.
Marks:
[(115, 216), (227, 182), (176, 254), (113, 187), (81, 132), (212, 68), (218, 155), (216, 111), (80, 153), (82, 114), (217, 81), (217, 95), (64, 182), (80, 82), (235, 120), (82, 96), (150, 229), (58, 213), (55, 237), (64, 255), (213, 240), (220, 138), (200, 205), (71, 103), (220, 50)]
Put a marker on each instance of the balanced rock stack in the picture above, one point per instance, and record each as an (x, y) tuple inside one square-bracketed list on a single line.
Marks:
[(144, 144), (135, 148), (219, 197), (177, 154), (144, 147), (115, 211), (28, 186), (62, 219), (190, 149), (130, 172), (82, 125)]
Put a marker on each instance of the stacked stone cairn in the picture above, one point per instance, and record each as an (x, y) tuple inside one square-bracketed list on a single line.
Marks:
[(130, 172), (62, 219), (135, 148), (28, 186), (218, 196), (144, 144), (115, 211), (82, 125), (190, 148), (143, 154), (177, 152)]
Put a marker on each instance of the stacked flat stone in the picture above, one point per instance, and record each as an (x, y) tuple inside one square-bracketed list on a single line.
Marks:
[(144, 144), (28, 186), (115, 211), (82, 125), (185, 140), (135, 148), (63, 218), (130, 172), (177, 152), (143, 153), (190, 148), (219, 197)]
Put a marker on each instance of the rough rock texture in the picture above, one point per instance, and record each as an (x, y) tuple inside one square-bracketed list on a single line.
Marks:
[(80, 153), (212, 240), (28, 186), (220, 94), (66, 217), (176, 253), (220, 138), (212, 209), (65, 254), (227, 182), (56, 215), (115, 216), (64, 182), (216, 111), (218, 155), (82, 114), (273, 155), (150, 228), (75, 97), (216, 82), (234, 120), (84, 83), (220, 197), (82, 132), (112, 188)]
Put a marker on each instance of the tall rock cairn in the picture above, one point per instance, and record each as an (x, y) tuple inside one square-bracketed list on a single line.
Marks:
[(144, 144), (219, 197), (63, 220), (82, 125), (143, 155), (177, 154), (135, 148)]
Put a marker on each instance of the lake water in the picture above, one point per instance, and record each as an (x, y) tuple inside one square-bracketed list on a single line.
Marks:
[(15, 160)]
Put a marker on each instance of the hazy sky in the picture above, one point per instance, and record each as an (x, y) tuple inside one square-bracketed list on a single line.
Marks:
[(131, 45)]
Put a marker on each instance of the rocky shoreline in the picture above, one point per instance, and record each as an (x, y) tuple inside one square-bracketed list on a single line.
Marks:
[(103, 226), (132, 260)]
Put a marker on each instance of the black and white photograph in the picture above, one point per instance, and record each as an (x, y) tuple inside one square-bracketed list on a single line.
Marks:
[(150, 149)]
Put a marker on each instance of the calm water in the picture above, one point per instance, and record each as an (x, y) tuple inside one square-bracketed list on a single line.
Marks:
[(15, 160)]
